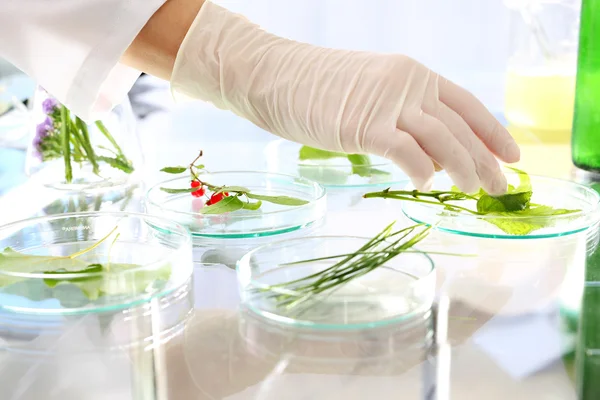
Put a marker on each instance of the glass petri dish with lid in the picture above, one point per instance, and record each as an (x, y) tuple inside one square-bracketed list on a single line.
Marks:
[(333, 172), (224, 238), (401, 291), (90, 298), (524, 267)]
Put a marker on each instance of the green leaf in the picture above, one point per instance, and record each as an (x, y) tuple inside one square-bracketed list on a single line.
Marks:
[(361, 166), (228, 204), (116, 279), (228, 189), (175, 191), (311, 153), (252, 206), (11, 260), (118, 163), (281, 200), (540, 217), (524, 181), (55, 280), (515, 199), (174, 170), (507, 202)]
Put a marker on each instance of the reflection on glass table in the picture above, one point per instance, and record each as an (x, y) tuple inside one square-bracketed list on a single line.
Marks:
[(86, 301), (227, 352)]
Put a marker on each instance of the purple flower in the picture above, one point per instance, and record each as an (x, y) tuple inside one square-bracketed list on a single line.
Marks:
[(49, 105), (41, 132)]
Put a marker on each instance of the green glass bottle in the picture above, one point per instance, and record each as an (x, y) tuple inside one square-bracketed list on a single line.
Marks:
[(586, 121), (587, 352)]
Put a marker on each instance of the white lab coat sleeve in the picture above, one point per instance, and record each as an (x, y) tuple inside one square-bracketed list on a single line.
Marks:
[(72, 48)]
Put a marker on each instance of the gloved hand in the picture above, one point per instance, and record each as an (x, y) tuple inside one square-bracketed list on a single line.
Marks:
[(338, 100)]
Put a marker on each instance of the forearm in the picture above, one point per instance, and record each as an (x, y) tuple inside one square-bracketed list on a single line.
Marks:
[(155, 48)]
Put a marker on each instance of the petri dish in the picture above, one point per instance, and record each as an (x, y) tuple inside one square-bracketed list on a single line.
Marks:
[(398, 291), (547, 191), (269, 220), (66, 338), (514, 274), (335, 173), (90, 262)]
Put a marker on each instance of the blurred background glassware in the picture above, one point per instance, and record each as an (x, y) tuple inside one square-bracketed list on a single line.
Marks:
[(118, 153), (15, 89), (540, 77), (60, 343)]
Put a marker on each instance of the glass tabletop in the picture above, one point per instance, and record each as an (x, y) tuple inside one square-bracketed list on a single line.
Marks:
[(212, 347)]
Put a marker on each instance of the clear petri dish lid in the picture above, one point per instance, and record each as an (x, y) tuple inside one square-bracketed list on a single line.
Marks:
[(340, 172), (92, 262), (556, 193), (269, 220)]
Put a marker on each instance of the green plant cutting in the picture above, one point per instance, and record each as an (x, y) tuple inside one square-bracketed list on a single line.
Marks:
[(516, 203), (94, 279), (346, 267), (223, 199), (361, 164), (62, 136)]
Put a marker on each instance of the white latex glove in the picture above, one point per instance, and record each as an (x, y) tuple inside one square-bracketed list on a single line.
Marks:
[(349, 101)]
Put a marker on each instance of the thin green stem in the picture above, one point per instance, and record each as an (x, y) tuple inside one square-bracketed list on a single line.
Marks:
[(87, 145), (352, 266), (369, 244), (75, 141), (108, 136), (417, 200), (66, 143)]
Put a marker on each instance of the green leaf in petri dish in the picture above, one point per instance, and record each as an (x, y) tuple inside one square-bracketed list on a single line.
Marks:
[(281, 200), (311, 153), (361, 166), (515, 203), (540, 218), (508, 202), (174, 170), (111, 282), (252, 205), (175, 191), (228, 204)]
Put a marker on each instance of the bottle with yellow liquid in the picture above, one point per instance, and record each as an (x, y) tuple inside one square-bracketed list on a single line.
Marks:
[(540, 77)]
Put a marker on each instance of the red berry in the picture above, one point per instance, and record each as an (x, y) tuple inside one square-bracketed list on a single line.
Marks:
[(216, 197), (200, 192)]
